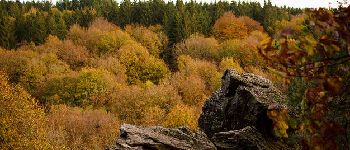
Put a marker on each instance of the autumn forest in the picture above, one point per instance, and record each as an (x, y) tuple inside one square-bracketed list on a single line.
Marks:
[(72, 72)]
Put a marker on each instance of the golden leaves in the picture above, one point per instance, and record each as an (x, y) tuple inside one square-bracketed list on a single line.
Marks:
[(279, 117), (22, 121)]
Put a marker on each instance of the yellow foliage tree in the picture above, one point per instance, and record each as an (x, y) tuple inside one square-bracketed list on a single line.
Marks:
[(191, 88), (140, 65), (114, 66), (100, 38), (22, 124), (229, 63), (153, 116), (136, 105), (242, 51), (206, 70), (31, 69), (197, 46), (149, 39), (181, 115), (88, 87), (76, 56), (295, 24), (110, 42)]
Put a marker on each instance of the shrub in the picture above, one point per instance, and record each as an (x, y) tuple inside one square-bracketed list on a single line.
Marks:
[(114, 66), (74, 128), (191, 88), (135, 104), (140, 65), (197, 46), (229, 63), (149, 39), (22, 123), (181, 115), (31, 69), (88, 87), (205, 70)]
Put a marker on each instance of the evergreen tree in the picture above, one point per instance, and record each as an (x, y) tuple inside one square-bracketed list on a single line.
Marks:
[(56, 24), (125, 13), (179, 19), (7, 32), (35, 27)]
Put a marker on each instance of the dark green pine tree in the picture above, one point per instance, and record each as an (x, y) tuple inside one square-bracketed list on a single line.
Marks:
[(270, 16), (204, 22), (169, 27), (219, 9), (36, 28), (125, 13), (157, 11), (76, 5), (169, 22), (7, 32), (86, 16), (145, 13), (180, 27), (111, 12), (190, 19), (56, 24), (70, 17)]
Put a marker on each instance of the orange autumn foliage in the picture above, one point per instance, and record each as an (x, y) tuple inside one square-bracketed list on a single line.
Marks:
[(229, 26)]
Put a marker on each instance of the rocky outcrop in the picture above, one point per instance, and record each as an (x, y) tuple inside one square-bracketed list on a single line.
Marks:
[(139, 138), (234, 117), (242, 101)]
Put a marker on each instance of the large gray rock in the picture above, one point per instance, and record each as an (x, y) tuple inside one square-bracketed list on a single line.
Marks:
[(243, 100), (159, 138)]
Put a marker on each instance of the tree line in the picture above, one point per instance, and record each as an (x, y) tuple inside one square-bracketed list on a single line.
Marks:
[(34, 21)]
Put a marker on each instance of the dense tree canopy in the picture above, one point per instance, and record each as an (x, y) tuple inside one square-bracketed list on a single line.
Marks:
[(34, 21), (22, 120), (72, 72)]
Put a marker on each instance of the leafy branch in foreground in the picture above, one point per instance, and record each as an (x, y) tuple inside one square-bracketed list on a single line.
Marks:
[(319, 53)]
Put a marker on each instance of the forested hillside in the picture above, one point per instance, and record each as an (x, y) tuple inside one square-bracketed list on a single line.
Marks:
[(72, 72), (34, 21)]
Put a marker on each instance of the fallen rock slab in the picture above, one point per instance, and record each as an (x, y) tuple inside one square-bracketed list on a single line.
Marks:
[(159, 138), (247, 138)]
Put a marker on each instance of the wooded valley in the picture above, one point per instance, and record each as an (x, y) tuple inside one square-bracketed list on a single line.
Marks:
[(72, 72)]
